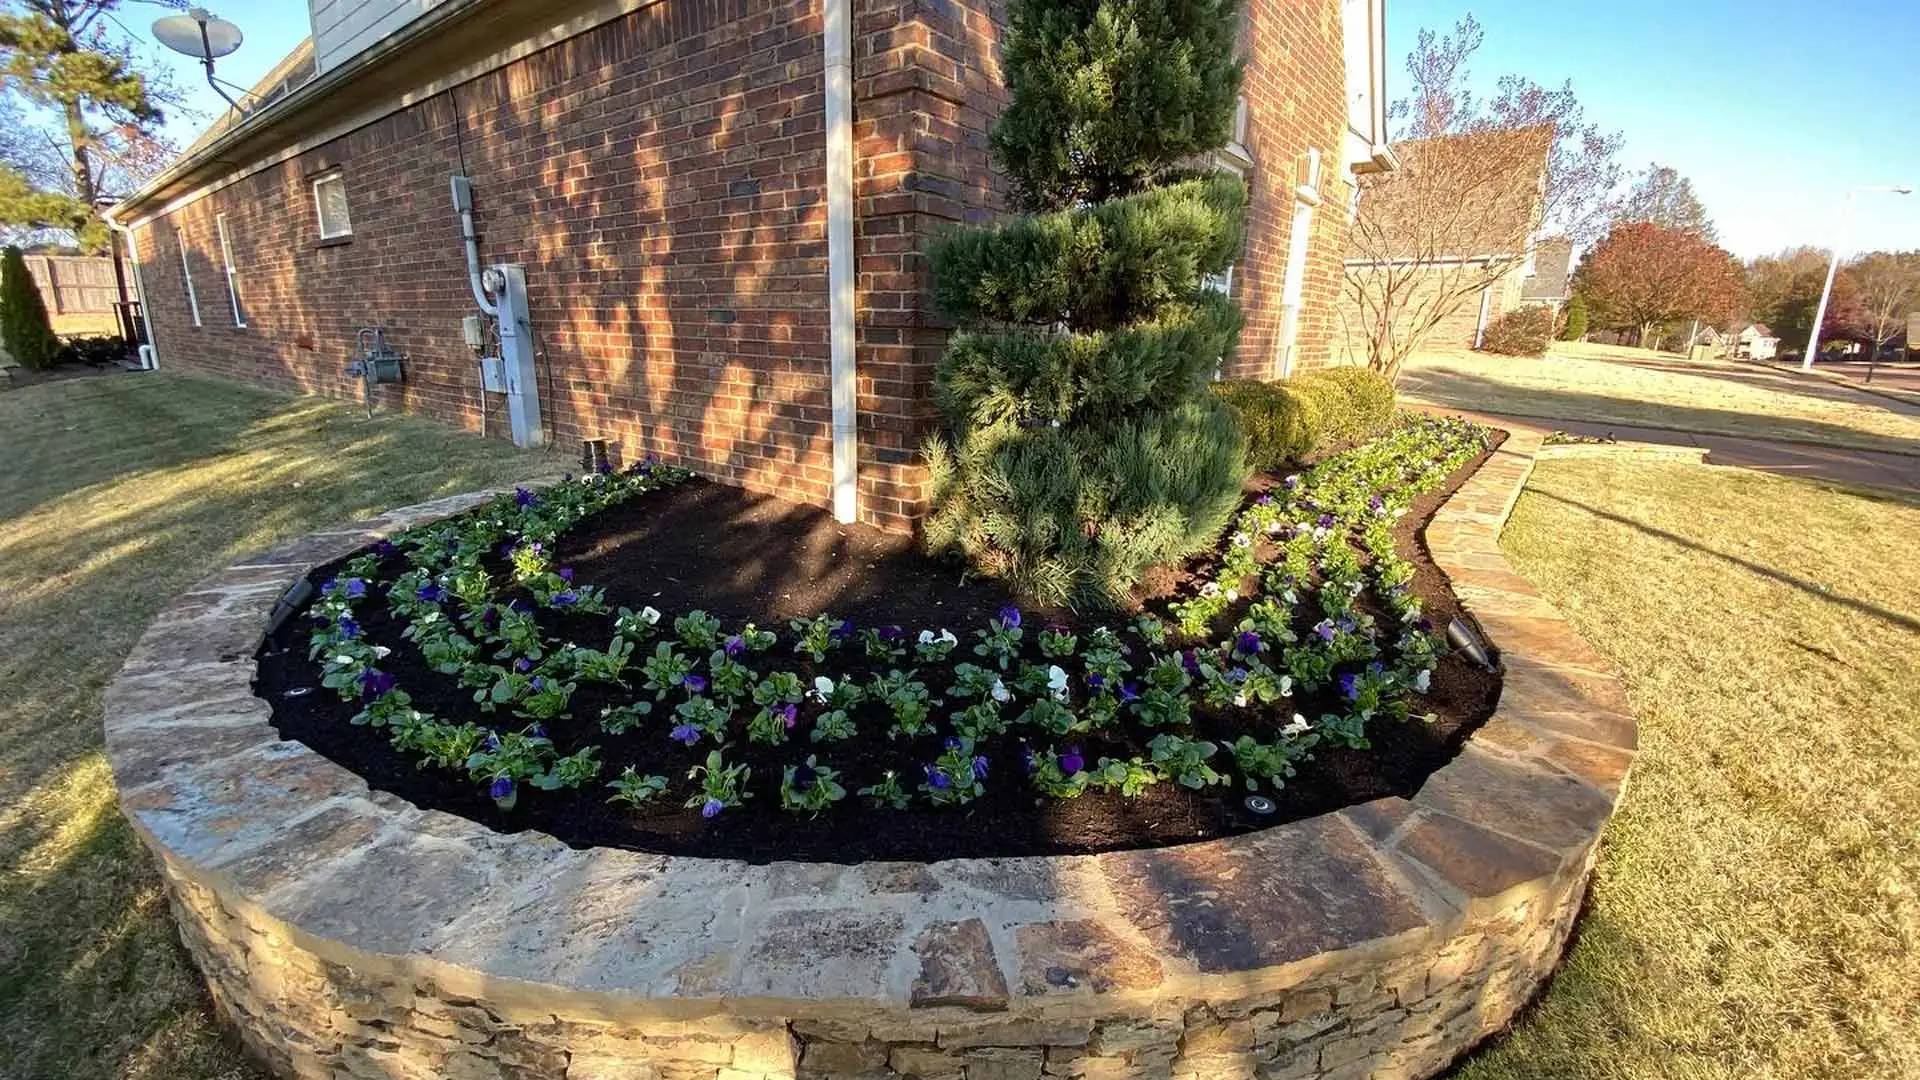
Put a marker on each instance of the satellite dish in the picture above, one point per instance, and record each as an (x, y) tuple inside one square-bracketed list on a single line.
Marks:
[(197, 34)]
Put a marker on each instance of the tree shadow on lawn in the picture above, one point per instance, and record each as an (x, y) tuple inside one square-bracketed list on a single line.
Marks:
[(1460, 390), (1811, 588), (1774, 380)]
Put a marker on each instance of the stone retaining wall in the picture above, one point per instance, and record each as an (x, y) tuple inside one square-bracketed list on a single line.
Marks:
[(347, 934)]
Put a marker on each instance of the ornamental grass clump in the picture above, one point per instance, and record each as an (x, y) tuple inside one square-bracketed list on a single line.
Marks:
[(1083, 446)]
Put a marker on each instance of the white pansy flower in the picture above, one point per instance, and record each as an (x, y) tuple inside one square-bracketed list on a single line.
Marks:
[(1232, 595), (1423, 680), (649, 615), (1210, 589), (380, 652), (1057, 680), (1000, 692), (822, 688), (1297, 726), (1241, 539)]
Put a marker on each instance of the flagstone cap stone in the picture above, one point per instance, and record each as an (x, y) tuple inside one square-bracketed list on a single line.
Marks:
[(935, 959)]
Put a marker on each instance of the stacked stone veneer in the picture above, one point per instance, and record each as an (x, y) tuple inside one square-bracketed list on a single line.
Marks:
[(345, 933)]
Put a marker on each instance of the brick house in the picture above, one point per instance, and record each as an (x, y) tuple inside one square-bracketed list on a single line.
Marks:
[(718, 208), (1448, 243)]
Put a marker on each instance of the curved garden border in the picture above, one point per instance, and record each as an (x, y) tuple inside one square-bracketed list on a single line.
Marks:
[(345, 933)]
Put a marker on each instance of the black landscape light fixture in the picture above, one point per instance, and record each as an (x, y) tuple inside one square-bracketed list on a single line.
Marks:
[(1466, 637), (297, 594)]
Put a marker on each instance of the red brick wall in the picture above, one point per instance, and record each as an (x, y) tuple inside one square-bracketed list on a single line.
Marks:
[(660, 177), (1295, 90)]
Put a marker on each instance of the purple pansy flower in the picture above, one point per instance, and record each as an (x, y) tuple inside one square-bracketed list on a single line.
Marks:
[(695, 684), (839, 633), (1027, 761), (538, 731), (321, 620), (804, 778), (375, 684), (523, 496), (347, 627), (1096, 681), (1324, 628), (520, 607), (501, 788), (1326, 521), (980, 767), (937, 779), (566, 574), (356, 588), (1290, 483), (1376, 503), (685, 735), (385, 549), (1070, 760), (735, 646), (892, 633), (711, 808), (431, 593), (1248, 642), (605, 468), (953, 742), (789, 714), (1265, 500), (539, 683), (523, 665), (1349, 686), (1129, 693), (1010, 617), (1190, 662), (564, 598), (490, 618), (493, 740)]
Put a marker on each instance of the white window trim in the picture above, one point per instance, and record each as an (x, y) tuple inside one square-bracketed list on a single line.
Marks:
[(186, 274), (226, 255), (319, 210)]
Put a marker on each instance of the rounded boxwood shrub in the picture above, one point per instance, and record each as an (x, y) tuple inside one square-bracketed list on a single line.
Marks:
[(1524, 332), (1355, 403), (1283, 424)]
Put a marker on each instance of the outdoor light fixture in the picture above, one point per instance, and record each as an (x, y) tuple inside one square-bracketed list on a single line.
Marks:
[(1463, 636), (1261, 805), (297, 594), (595, 454)]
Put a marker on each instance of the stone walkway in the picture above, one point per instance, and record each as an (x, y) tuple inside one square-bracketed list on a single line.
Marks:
[(1866, 468)]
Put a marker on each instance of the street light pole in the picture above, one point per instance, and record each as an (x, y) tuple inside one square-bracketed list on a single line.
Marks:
[(1833, 267)]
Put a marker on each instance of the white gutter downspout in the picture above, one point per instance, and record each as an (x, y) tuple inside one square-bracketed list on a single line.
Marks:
[(150, 352), (839, 87)]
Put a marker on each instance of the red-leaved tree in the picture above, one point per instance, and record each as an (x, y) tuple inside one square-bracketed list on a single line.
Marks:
[(1643, 276)]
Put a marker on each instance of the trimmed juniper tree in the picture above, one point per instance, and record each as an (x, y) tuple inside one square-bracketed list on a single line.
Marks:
[(1085, 446), (24, 325)]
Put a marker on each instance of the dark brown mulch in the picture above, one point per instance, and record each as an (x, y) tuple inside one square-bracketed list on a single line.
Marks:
[(746, 557)]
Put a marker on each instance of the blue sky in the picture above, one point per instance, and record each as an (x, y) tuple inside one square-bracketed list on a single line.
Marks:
[(1772, 107)]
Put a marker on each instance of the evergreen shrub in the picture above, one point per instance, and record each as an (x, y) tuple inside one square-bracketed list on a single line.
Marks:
[(1083, 446)]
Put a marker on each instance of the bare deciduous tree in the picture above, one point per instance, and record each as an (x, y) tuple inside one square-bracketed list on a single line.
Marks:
[(1480, 180), (1888, 284)]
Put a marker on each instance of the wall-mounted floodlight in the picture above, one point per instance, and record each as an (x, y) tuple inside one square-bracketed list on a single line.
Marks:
[(203, 37)]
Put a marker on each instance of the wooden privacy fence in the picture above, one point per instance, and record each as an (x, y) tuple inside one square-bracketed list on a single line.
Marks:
[(74, 284)]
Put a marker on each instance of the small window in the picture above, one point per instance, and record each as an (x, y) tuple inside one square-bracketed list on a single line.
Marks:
[(233, 283), (330, 204), (186, 275)]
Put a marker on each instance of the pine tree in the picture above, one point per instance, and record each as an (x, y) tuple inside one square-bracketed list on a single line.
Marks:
[(67, 57), (1575, 327), (24, 327), (1085, 446)]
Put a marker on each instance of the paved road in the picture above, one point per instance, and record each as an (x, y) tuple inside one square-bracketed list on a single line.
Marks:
[(1863, 467)]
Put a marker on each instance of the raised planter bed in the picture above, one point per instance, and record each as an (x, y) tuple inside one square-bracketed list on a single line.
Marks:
[(345, 932)]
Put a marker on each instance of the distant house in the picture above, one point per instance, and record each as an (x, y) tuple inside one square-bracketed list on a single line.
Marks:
[(1455, 229), (1548, 280), (1753, 341)]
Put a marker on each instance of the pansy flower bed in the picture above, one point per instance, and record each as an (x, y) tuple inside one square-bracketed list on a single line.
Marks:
[(465, 666)]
